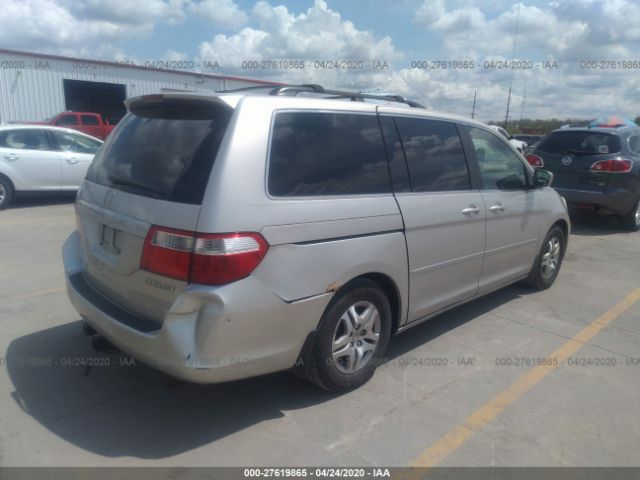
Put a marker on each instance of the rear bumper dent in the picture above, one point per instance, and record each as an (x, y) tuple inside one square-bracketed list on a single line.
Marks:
[(210, 334)]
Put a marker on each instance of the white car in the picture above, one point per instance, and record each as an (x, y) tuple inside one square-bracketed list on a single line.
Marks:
[(518, 144), (43, 158)]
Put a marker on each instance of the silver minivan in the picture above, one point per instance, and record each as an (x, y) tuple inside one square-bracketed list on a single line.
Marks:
[(295, 228)]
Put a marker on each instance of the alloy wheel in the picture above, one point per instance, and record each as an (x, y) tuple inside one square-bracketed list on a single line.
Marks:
[(551, 257), (356, 337)]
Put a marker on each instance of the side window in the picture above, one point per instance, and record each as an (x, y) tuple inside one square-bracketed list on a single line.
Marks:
[(434, 155), (327, 154), (89, 120), (634, 143), (500, 168), (68, 142), (67, 120), (25, 139)]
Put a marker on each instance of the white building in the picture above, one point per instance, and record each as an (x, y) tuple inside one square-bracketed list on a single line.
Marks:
[(35, 86)]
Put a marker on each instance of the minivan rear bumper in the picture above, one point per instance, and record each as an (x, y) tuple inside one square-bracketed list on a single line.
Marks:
[(210, 334)]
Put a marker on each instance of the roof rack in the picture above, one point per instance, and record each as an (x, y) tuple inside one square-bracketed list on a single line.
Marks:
[(294, 90)]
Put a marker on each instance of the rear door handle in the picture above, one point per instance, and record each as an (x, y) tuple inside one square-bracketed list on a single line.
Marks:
[(471, 210), (498, 207), (72, 160), (12, 157)]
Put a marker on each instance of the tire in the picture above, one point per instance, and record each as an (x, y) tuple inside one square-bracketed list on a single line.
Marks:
[(631, 221), (343, 357), (548, 262), (6, 193)]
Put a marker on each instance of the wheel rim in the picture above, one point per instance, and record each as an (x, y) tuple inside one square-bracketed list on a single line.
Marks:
[(356, 337), (551, 257), (3, 193), (638, 215)]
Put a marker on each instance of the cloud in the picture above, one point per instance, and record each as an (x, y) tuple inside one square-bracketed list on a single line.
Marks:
[(319, 34), (568, 31), (137, 13), (221, 13), (81, 27), (46, 25)]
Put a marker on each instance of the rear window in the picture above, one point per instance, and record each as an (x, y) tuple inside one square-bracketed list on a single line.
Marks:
[(89, 120), (163, 151), (25, 139), (327, 154), (580, 142), (67, 120)]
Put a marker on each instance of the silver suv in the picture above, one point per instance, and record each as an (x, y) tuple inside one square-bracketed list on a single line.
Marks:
[(222, 237)]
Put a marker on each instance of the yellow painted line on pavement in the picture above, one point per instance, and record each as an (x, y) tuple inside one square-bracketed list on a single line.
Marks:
[(457, 437)]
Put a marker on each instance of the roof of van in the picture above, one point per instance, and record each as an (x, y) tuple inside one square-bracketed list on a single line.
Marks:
[(233, 98)]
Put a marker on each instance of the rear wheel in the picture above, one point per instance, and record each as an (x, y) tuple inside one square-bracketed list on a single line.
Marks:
[(6, 193), (547, 265), (631, 221), (352, 338)]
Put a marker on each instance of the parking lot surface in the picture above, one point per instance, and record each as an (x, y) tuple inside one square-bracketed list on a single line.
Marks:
[(476, 386)]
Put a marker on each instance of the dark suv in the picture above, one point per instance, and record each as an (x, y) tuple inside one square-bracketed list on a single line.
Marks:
[(597, 169)]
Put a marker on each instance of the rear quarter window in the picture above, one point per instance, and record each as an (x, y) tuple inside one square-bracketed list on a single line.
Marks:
[(318, 153), (581, 142), (634, 144)]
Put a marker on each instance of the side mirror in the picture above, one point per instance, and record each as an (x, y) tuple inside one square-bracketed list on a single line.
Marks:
[(542, 178)]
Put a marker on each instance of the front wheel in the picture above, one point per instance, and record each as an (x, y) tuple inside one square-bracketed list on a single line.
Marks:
[(631, 221), (547, 265), (352, 337)]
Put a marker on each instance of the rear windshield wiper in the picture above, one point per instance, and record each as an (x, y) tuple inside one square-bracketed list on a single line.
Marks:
[(123, 182)]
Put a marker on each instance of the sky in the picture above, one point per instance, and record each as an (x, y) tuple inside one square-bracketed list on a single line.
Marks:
[(560, 58)]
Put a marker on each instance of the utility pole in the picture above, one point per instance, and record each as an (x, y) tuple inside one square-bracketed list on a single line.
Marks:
[(473, 110), (513, 56), (506, 118), (524, 96)]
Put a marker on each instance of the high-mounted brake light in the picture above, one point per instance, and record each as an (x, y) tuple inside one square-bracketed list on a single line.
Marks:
[(156, 97), (534, 160), (612, 166), (210, 259)]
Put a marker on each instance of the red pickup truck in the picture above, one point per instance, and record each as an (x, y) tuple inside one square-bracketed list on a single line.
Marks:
[(86, 122)]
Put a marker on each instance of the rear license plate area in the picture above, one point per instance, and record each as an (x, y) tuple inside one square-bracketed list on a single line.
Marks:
[(110, 239)]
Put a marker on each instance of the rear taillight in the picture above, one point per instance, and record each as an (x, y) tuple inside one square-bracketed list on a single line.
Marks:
[(168, 252), (612, 166), (210, 259), (534, 160), (220, 259)]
